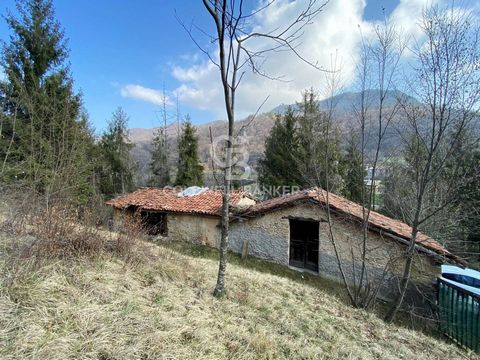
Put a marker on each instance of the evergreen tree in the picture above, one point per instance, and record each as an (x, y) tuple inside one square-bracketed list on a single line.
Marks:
[(279, 166), (460, 222), (190, 171), (159, 165), (44, 131), (318, 153), (354, 172), (468, 205), (117, 167)]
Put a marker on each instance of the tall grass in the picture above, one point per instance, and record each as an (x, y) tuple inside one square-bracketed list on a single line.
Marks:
[(108, 308), (63, 297)]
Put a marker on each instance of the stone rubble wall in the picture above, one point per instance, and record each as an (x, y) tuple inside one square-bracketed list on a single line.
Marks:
[(268, 238)]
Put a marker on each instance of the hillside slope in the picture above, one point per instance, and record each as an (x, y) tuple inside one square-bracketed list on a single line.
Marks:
[(162, 307), (256, 132), (258, 129)]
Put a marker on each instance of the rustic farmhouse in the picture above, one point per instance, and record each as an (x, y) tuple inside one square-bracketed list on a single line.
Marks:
[(291, 230), (163, 212)]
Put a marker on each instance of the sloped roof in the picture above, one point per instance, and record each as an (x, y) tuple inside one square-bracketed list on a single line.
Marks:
[(157, 199), (377, 222)]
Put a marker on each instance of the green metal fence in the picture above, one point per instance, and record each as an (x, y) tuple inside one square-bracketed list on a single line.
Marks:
[(459, 314)]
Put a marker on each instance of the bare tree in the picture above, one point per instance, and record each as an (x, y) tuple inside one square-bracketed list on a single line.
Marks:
[(321, 167), (447, 82), (233, 36), (377, 68)]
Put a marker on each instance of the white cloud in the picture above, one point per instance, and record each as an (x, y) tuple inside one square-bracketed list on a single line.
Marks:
[(337, 31), (193, 73), (334, 31), (407, 16), (145, 94)]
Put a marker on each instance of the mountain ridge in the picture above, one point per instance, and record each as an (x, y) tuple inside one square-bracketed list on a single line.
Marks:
[(257, 129)]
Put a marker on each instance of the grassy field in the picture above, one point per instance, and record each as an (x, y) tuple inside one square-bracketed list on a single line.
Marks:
[(158, 305)]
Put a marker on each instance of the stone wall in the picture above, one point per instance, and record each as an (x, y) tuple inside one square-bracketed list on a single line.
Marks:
[(268, 237), (119, 218), (199, 229)]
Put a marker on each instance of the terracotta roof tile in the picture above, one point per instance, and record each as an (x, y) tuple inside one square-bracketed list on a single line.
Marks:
[(377, 221), (208, 202)]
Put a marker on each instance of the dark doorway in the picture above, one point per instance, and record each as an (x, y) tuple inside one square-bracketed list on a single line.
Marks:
[(154, 223), (304, 244)]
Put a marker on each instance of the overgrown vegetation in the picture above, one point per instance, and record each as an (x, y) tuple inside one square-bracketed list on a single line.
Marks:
[(48, 152), (58, 230), (110, 307), (189, 171)]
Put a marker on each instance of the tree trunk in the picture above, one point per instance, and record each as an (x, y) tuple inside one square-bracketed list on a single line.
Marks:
[(405, 278), (220, 286)]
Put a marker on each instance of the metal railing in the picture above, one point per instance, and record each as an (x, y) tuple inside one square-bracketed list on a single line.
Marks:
[(459, 314)]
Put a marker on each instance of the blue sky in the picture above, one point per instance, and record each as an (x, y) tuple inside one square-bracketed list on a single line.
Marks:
[(124, 52)]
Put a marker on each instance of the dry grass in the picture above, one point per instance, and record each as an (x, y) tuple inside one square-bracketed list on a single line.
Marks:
[(61, 231), (162, 308)]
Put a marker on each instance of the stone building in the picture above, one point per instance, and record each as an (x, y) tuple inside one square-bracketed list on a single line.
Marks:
[(298, 230), (173, 214)]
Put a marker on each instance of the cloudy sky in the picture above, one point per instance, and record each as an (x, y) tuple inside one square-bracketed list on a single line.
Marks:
[(124, 53)]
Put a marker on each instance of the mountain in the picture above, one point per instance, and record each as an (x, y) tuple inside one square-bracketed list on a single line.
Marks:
[(347, 101), (257, 129)]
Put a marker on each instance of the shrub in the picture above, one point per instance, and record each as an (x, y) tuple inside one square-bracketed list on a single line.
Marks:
[(56, 229)]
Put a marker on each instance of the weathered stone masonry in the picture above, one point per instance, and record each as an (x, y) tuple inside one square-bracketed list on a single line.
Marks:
[(268, 238)]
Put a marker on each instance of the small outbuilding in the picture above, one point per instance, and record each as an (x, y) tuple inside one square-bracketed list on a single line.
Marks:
[(302, 230), (191, 215), (307, 231)]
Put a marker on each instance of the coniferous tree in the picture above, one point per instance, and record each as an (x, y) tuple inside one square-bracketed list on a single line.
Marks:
[(319, 146), (190, 171), (354, 172), (45, 134), (159, 165), (279, 166), (458, 223), (468, 205), (117, 168)]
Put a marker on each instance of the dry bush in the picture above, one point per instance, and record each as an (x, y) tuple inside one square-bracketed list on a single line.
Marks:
[(126, 244), (55, 229), (59, 233)]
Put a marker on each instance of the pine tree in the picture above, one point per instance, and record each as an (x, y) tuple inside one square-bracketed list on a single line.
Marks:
[(190, 171), (159, 165), (318, 153), (279, 166), (117, 168), (44, 131), (459, 223), (353, 171)]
